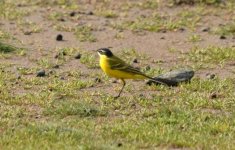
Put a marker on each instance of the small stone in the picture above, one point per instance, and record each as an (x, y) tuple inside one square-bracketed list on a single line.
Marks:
[(56, 56), (162, 37), (59, 37), (64, 53), (41, 73), (61, 19), (213, 96), (98, 80), (222, 37), (114, 81), (135, 60), (119, 144), (181, 29), (78, 56), (72, 14), (56, 66), (210, 76), (206, 29), (51, 72), (147, 68), (90, 13), (62, 78), (27, 32), (18, 76)]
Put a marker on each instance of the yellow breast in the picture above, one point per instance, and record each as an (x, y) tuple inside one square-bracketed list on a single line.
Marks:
[(105, 66)]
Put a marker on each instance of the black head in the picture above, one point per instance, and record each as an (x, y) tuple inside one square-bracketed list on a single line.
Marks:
[(105, 51)]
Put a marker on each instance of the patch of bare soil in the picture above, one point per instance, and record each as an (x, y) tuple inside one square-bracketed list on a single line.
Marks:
[(157, 45)]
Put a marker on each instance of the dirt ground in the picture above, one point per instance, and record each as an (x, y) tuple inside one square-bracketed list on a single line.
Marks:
[(154, 44)]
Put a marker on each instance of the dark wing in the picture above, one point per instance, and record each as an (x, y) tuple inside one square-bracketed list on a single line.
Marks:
[(118, 64)]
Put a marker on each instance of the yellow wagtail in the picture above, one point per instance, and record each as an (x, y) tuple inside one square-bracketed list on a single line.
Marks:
[(117, 68)]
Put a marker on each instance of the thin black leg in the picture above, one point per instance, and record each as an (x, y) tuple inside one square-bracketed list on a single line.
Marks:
[(124, 83)]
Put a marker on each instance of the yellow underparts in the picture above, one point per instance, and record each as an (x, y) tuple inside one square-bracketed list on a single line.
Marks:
[(117, 73)]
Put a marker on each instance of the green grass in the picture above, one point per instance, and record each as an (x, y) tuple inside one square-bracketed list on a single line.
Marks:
[(157, 23), (209, 57), (72, 107), (59, 116), (183, 117), (107, 13), (70, 113), (84, 33), (206, 2), (228, 29), (9, 11), (194, 38)]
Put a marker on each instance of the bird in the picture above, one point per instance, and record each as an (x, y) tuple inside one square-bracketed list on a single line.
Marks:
[(119, 69)]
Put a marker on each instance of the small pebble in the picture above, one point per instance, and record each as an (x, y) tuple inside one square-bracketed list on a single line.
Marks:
[(90, 13), (114, 81), (56, 66), (162, 37), (61, 19), (59, 37), (213, 96), (62, 78), (98, 80), (56, 56), (135, 60), (181, 29), (64, 53), (78, 56), (206, 29), (222, 37), (210, 76), (147, 68), (119, 144), (41, 73), (18, 76), (27, 32), (51, 72), (72, 14)]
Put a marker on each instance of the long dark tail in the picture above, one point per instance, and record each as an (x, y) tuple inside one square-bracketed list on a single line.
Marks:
[(160, 81)]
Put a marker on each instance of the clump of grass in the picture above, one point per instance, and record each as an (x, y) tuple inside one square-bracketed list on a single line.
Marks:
[(84, 33), (131, 53), (68, 108), (228, 29), (211, 54), (153, 24), (89, 60), (148, 4), (191, 2), (55, 16), (44, 62), (67, 4), (6, 48), (28, 27), (64, 28), (194, 38), (4, 35), (156, 23), (107, 13), (8, 10)]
